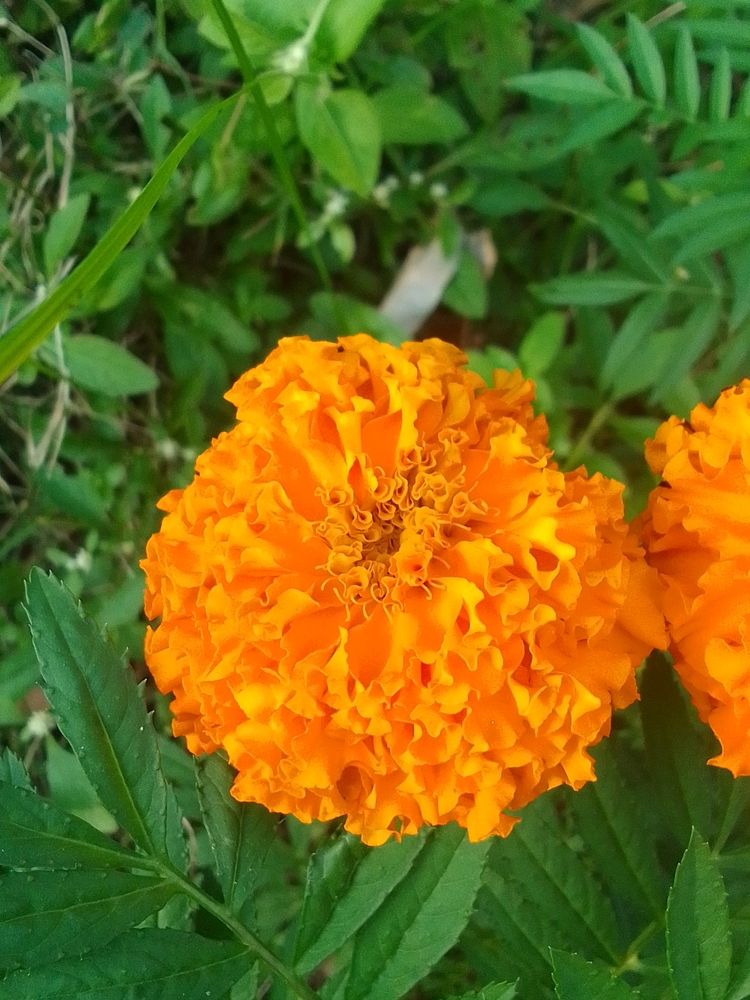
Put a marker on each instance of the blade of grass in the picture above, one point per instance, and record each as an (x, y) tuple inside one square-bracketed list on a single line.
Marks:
[(274, 141), (21, 339)]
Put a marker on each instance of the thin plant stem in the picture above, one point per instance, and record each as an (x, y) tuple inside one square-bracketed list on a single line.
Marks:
[(598, 420)]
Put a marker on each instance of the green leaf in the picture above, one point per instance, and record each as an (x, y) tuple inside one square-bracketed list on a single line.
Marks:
[(720, 91), (508, 196), (492, 991), (466, 292), (68, 912), (343, 27), (608, 817), (71, 791), (694, 339), (597, 289), (647, 62), (341, 130), (63, 231), (598, 124), (100, 711), (541, 344), (241, 833), (699, 942), (630, 243), (346, 882), (723, 231), (12, 771), (36, 834), (562, 86), (577, 979), (18, 342), (10, 91), (687, 85), (420, 919), (410, 116), (693, 219), (678, 751), (100, 365), (553, 879), (138, 965), (640, 323), (606, 60)]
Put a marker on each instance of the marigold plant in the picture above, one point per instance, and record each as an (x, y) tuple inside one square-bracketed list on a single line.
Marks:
[(697, 532), (382, 598)]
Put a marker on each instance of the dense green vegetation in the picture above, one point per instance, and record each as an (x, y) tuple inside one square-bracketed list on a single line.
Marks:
[(581, 173)]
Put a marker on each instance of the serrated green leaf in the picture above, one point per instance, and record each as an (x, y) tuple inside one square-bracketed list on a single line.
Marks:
[(557, 884), (100, 712), (36, 834), (577, 979), (678, 751), (699, 942), (597, 289), (410, 116), (105, 367), (18, 342), (606, 60), (59, 913), (420, 919), (687, 86), (519, 933), (608, 817), (647, 61), (541, 344), (241, 833), (720, 91), (345, 884), (640, 323), (12, 770), (138, 965), (63, 231), (341, 130), (492, 991), (71, 791), (562, 86)]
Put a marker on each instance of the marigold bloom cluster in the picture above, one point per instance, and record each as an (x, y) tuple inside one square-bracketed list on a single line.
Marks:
[(384, 601), (697, 531)]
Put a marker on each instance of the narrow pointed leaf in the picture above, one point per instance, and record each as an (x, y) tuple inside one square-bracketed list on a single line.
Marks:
[(138, 965), (647, 61), (562, 86), (687, 86), (36, 834), (420, 919), (624, 351), (699, 942), (693, 219), (12, 770), (696, 336), (53, 914), (492, 991), (577, 979), (606, 60), (18, 342), (346, 883), (100, 712), (241, 833), (720, 91), (598, 289)]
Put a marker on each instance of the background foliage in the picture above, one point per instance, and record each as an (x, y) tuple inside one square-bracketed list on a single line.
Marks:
[(581, 170)]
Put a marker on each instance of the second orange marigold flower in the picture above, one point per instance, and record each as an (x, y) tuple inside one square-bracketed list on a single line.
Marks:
[(384, 601)]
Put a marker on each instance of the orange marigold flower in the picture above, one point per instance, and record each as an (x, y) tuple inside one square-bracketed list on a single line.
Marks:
[(697, 533), (384, 600)]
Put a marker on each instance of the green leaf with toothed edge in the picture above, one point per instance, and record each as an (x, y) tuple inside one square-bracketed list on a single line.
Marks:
[(138, 965), (577, 979), (421, 918), (101, 714), (241, 833), (63, 913)]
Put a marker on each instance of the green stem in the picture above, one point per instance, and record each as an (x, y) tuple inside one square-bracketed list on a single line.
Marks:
[(274, 140), (630, 958), (246, 937), (579, 449)]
